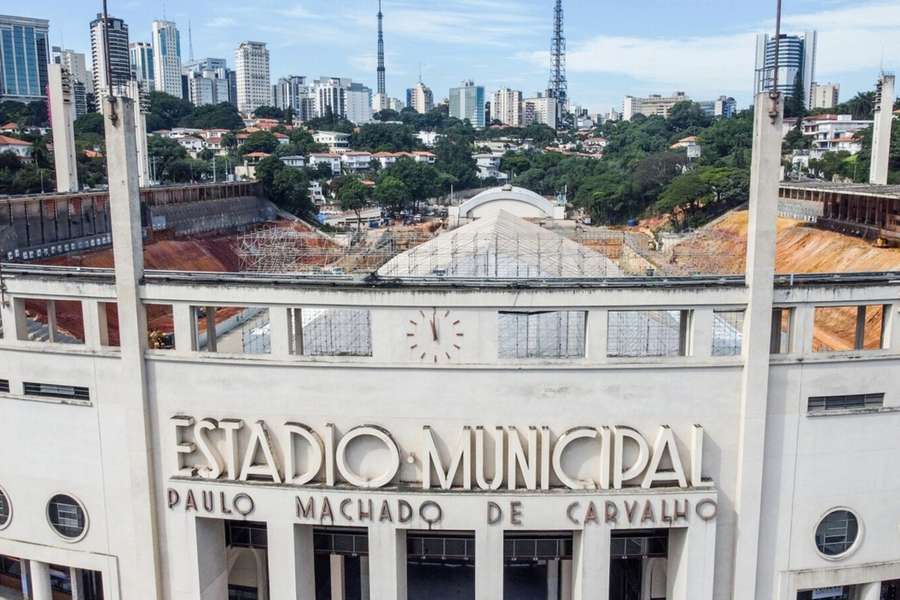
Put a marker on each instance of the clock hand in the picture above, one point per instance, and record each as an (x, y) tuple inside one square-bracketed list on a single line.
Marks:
[(434, 332)]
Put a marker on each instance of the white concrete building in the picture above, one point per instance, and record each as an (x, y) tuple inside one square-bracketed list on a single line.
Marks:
[(331, 159), (254, 88), (507, 107), (337, 141), (495, 413), (825, 95), (356, 162), (654, 104), (166, 42), (420, 98), (22, 149), (540, 109)]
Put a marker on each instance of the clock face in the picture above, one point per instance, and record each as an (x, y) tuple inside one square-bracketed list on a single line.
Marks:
[(434, 335)]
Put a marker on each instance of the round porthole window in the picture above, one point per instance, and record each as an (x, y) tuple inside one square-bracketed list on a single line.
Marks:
[(5, 509), (837, 533), (67, 517)]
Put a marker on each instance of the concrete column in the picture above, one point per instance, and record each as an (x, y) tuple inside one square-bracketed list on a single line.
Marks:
[(869, 591), (338, 579), (364, 577), (565, 580), (279, 332), (75, 581), (553, 579), (765, 169), (212, 559), (291, 562), (182, 316), (691, 562), (12, 328), (701, 333), (489, 563), (892, 330), (597, 333), (803, 319), (262, 573), (140, 568), (40, 581), (61, 119), (387, 563), (24, 577), (881, 133), (51, 320), (93, 316), (140, 135), (590, 563)]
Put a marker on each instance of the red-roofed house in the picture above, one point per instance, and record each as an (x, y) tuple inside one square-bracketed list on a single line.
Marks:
[(20, 148)]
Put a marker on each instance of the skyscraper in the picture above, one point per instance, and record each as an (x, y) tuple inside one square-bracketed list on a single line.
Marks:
[(24, 54), (142, 70), (507, 107), (119, 59), (381, 87), (254, 87), (208, 81), (76, 76), (467, 102), (796, 59), (420, 98), (293, 92), (166, 43)]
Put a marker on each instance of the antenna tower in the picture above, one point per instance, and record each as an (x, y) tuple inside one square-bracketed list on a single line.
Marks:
[(190, 42), (381, 88), (558, 87)]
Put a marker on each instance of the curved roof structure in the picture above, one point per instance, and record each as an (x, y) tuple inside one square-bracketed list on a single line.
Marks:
[(506, 198), (500, 246)]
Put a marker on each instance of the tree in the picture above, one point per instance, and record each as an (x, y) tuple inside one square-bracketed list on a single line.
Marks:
[(384, 137), (421, 180), (391, 193), (290, 191), (353, 195), (89, 123), (682, 197), (166, 111), (259, 141), (386, 114), (454, 157), (795, 103), (268, 112), (214, 116)]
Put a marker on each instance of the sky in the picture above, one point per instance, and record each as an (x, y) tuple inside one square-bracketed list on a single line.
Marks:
[(615, 48)]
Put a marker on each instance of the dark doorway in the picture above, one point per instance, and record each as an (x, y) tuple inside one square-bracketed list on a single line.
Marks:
[(533, 564), (343, 548), (630, 553), (440, 567)]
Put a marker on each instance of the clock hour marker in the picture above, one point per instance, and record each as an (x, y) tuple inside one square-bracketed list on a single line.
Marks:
[(423, 355), (448, 355), (456, 322), (446, 314), (413, 322), (435, 358), (457, 346), (422, 313), (410, 334), (459, 335), (414, 346)]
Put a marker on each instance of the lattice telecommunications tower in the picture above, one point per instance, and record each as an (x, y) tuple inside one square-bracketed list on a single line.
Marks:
[(381, 89), (558, 87)]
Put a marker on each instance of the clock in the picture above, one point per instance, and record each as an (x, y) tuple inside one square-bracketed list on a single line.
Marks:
[(434, 335)]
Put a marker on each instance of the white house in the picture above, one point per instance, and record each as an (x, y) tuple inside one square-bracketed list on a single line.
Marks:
[(22, 149)]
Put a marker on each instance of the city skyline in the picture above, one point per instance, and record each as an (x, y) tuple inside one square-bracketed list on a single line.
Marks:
[(501, 43)]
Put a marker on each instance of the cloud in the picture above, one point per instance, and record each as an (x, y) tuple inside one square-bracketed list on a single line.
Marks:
[(221, 22), (297, 11), (851, 38)]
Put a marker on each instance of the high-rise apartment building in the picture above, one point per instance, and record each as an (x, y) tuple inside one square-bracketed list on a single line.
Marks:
[(723, 106), (254, 87), (342, 97), (825, 95), (542, 110), (76, 77), (467, 102), (166, 43), (796, 59), (141, 56), (293, 92), (420, 98), (24, 55), (652, 105), (359, 103), (75, 63), (208, 81), (507, 107), (119, 59)]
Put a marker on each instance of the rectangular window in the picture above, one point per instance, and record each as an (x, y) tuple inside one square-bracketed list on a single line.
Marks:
[(845, 328), (728, 332), (641, 333), (541, 334), (232, 329), (780, 340), (56, 321), (330, 332), (4, 386), (818, 404), (49, 390), (160, 326)]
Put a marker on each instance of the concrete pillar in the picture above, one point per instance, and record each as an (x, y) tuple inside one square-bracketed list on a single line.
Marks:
[(765, 168), (95, 327), (25, 577), (869, 591), (691, 562), (387, 563), (597, 333), (803, 321), (892, 329), (75, 581), (590, 563), (140, 568), (553, 579), (364, 577), (701, 334), (338, 579), (291, 562), (212, 559), (565, 580), (881, 133), (61, 120), (262, 573), (489, 563), (279, 332), (12, 329), (51, 320), (140, 135), (40, 581), (185, 340)]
